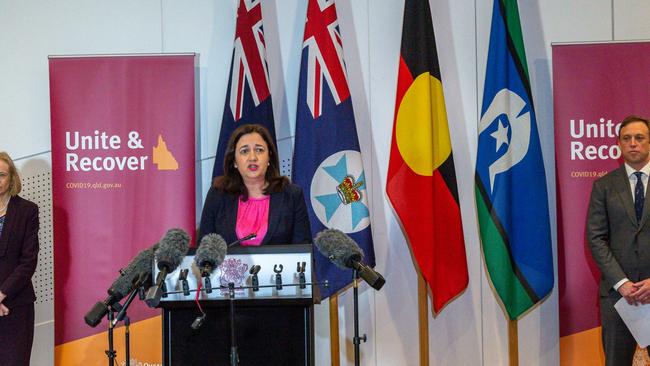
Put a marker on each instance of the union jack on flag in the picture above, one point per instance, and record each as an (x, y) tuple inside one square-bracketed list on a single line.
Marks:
[(248, 99), (324, 48), (327, 159)]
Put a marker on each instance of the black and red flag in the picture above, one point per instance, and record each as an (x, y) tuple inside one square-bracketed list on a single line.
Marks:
[(421, 182)]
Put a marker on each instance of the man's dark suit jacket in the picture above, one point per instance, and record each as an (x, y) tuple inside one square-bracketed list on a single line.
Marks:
[(288, 219), (19, 252), (619, 244)]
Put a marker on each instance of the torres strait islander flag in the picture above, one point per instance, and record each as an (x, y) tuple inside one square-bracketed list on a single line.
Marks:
[(327, 160), (510, 190), (421, 183), (248, 99)]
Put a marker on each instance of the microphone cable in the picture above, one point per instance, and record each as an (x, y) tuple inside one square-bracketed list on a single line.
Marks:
[(198, 322)]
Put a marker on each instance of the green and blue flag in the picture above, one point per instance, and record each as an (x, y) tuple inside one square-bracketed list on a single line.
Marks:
[(511, 193)]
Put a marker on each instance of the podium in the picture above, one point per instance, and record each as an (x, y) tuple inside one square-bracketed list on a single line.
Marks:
[(274, 325)]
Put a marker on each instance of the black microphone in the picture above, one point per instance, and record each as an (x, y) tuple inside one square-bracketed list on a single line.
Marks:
[(169, 255), (345, 253), (139, 267), (247, 237)]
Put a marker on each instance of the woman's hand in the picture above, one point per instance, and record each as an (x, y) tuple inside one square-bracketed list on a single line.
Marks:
[(2, 297)]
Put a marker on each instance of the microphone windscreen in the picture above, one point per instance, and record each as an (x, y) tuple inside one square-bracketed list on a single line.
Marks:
[(338, 247), (212, 250), (176, 238), (142, 263), (172, 249)]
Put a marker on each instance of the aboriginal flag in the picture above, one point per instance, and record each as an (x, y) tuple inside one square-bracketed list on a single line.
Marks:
[(421, 183)]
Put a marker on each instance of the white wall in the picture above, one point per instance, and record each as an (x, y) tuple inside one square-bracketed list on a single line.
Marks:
[(470, 331)]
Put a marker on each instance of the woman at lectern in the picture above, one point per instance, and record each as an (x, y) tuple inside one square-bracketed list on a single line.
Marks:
[(252, 198), (18, 256)]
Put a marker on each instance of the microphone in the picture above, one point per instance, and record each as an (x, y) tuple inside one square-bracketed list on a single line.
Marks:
[(139, 267), (169, 255), (345, 253), (255, 281), (210, 254), (247, 237)]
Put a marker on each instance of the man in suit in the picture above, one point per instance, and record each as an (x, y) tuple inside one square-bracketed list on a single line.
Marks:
[(618, 232)]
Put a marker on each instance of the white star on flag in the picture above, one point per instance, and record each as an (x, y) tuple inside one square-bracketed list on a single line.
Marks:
[(501, 135)]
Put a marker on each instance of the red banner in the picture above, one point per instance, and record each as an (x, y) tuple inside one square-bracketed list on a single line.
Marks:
[(122, 174), (595, 86)]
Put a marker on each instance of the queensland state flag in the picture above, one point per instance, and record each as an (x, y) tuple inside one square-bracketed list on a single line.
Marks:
[(248, 99), (510, 190), (421, 182), (327, 159)]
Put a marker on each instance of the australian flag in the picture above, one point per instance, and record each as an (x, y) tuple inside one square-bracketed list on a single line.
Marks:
[(248, 99), (327, 159)]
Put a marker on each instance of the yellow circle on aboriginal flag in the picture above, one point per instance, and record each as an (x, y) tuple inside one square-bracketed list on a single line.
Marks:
[(421, 128)]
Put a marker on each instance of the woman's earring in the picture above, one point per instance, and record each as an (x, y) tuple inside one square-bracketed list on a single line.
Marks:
[(235, 166)]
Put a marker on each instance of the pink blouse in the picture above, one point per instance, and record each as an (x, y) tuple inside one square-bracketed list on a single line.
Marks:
[(253, 217)]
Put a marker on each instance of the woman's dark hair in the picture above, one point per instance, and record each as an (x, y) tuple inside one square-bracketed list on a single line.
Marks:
[(232, 182)]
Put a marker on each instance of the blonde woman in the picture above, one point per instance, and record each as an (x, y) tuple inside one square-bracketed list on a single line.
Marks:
[(18, 256)]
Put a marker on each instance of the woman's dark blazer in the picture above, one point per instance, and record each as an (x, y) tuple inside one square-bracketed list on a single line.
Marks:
[(19, 252), (288, 219)]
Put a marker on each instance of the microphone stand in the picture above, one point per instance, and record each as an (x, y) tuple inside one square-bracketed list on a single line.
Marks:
[(110, 352), (234, 358), (121, 314), (127, 339), (356, 340)]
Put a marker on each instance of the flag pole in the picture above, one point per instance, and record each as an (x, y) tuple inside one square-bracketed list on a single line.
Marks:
[(423, 323), (513, 342), (334, 330)]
